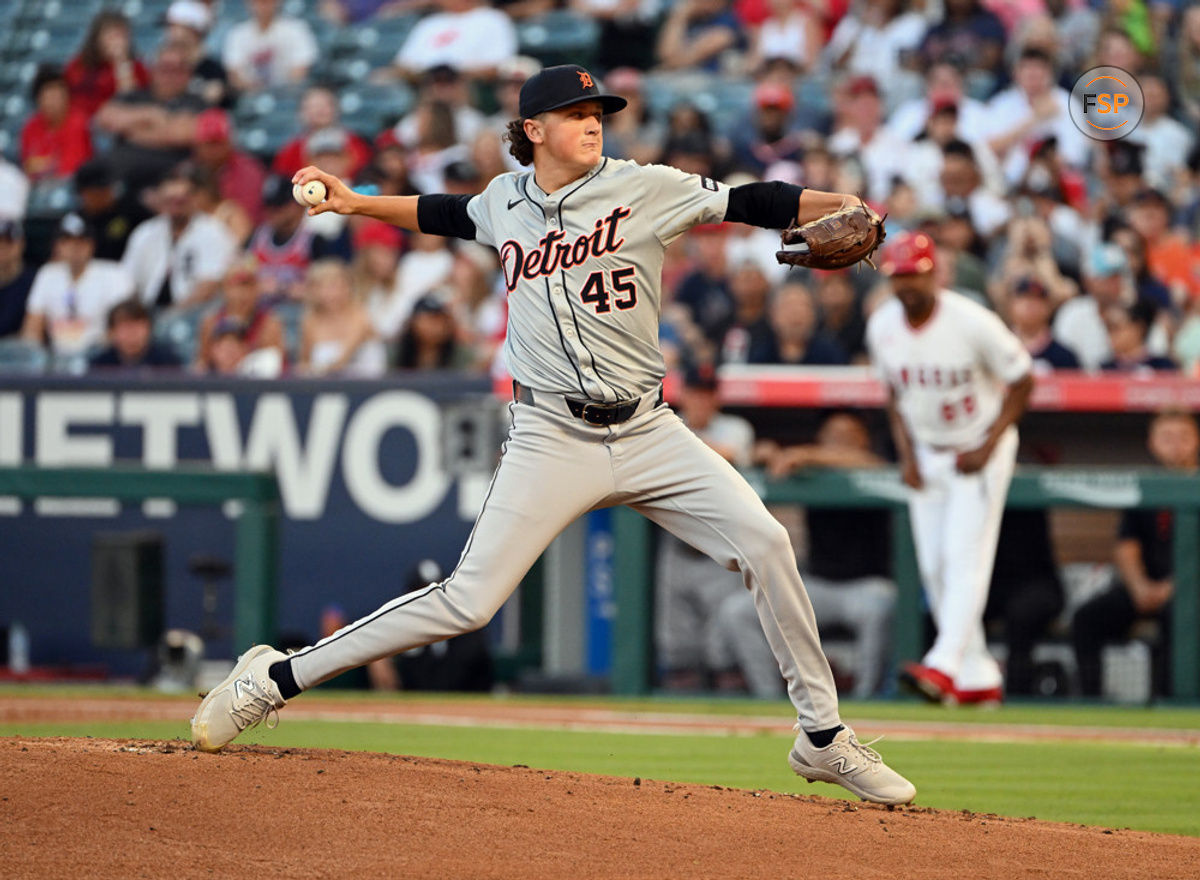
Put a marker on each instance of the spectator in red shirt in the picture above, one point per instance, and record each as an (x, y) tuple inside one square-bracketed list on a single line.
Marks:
[(239, 176), (318, 110), (55, 140), (105, 66)]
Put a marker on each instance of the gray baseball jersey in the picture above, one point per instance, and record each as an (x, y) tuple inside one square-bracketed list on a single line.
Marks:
[(583, 268)]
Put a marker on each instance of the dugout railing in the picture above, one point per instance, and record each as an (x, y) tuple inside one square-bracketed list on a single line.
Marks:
[(1032, 487), (256, 536)]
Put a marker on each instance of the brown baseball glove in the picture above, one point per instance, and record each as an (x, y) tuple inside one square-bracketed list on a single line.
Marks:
[(834, 241)]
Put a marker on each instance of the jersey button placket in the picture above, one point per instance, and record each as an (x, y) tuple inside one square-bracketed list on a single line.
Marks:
[(568, 328)]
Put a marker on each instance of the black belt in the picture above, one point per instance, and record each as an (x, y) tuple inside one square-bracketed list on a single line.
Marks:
[(589, 411)]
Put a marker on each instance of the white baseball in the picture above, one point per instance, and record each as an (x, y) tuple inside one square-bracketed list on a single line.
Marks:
[(311, 193)]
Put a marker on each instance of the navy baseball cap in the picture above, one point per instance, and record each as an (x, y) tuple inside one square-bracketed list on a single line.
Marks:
[(701, 376), (560, 86), (74, 226)]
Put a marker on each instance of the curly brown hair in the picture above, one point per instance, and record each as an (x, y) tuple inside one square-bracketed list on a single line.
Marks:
[(519, 144)]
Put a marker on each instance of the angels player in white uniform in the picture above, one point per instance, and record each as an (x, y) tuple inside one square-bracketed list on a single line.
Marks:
[(958, 380), (581, 241)]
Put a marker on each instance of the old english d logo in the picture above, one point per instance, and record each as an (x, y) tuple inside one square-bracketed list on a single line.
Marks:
[(585, 79)]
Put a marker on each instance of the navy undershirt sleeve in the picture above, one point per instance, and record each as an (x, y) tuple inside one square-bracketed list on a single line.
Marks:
[(440, 214), (771, 204)]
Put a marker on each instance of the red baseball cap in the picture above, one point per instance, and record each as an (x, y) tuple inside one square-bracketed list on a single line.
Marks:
[(212, 126), (377, 232), (910, 253), (770, 94), (862, 85)]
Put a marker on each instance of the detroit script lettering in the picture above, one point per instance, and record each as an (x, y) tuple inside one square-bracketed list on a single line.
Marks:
[(554, 252)]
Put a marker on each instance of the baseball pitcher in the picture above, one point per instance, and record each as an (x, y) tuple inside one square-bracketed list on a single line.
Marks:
[(581, 241)]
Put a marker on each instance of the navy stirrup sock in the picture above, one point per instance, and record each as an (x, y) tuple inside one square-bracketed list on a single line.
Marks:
[(819, 738), (281, 674)]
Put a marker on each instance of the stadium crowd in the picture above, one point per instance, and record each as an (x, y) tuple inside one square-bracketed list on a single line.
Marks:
[(146, 217)]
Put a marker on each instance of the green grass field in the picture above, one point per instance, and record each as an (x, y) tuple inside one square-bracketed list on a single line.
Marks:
[(1110, 784)]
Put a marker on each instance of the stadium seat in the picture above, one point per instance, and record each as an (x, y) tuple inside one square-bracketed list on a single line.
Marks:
[(726, 103), (373, 45), (42, 45), (69, 13), (290, 314), (144, 10), (233, 11), (274, 102), (299, 8), (71, 364), (812, 95), (51, 198), (14, 111), (338, 72), (664, 90), (48, 201), (181, 331), (10, 140), (559, 37), (21, 356), (368, 108), (15, 105), (266, 137), (17, 75)]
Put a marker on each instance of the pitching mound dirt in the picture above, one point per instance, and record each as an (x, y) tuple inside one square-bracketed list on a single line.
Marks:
[(101, 808)]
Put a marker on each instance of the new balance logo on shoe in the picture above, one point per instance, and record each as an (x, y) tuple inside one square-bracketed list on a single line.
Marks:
[(843, 765), (241, 684)]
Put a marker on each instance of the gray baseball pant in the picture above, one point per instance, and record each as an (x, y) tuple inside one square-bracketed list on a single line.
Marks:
[(553, 469)]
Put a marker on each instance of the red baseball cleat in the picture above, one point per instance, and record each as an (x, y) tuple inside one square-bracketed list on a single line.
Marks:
[(928, 682), (982, 697)]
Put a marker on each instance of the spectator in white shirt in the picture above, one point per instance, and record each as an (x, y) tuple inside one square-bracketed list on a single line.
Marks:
[(1079, 322), (1168, 141), (177, 258), (466, 34), (269, 49), (68, 305), (873, 39), (1032, 110), (961, 179), (426, 266), (14, 191), (793, 30), (943, 87), (883, 155)]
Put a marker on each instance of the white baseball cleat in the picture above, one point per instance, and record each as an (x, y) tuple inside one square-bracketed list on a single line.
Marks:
[(850, 764), (245, 698)]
